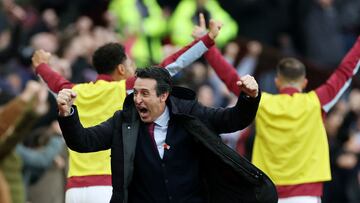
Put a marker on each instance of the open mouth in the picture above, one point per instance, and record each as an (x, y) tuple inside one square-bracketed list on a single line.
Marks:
[(144, 112)]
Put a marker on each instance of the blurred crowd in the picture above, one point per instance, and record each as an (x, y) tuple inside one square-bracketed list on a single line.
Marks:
[(255, 35)]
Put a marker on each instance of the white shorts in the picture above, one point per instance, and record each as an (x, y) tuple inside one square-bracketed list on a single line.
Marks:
[(300, 199), (93, 194)]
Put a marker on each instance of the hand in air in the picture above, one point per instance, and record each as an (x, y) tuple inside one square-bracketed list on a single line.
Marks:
[(248, 85), (65, 100)]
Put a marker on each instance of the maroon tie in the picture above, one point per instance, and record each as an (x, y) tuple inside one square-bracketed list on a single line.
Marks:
[(151, 128)]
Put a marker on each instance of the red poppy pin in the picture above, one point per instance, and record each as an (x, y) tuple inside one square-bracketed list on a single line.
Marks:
[(166, 146)]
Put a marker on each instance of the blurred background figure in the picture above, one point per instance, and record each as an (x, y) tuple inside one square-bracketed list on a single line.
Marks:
[(186, 14), (18, 117), (324, 44), (343, 128), (144, 24)]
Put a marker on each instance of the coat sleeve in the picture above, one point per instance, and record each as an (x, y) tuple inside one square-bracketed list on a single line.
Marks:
[(180, 59), (41, 158), (90, 139), (10, 113), (226, 120), (22, 128)]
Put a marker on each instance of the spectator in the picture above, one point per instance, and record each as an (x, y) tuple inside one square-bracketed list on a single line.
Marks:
[(322, 32), (17, 118), (144, 25), (187, 13)]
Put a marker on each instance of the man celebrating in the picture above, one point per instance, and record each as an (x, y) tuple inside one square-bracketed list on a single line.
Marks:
[(164, 144), (89, 175)]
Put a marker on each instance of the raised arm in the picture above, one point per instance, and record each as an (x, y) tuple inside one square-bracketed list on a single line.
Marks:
[(330, 92), (16, 108), (41, 158), (22, 115), (226, 72), (226, 120), (188, 54), (193, 51), (10, 113), (54, 80), (22, 128), (77, 137)]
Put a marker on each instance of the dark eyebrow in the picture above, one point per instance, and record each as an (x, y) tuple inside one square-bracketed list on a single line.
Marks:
[(143, 89)]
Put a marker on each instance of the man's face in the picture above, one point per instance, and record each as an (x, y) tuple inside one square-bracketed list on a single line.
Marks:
[(148, 104)]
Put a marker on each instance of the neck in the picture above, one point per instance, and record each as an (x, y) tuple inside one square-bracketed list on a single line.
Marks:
[(117, 77), (289, 91), (163, 118), (291, 86)]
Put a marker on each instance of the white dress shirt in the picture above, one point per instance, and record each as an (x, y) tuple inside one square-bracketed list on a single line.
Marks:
[(160, 131)]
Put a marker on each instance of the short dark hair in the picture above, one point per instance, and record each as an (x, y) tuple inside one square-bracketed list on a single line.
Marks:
[(107, 57), (161, 75), (291, 69)]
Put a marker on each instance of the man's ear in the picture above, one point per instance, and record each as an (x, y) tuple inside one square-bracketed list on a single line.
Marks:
[(121, 69), (164, 96), (304, 83)]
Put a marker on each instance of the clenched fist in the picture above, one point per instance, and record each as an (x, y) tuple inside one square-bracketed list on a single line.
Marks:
[(65, 100), (248, 85), (39, 57)]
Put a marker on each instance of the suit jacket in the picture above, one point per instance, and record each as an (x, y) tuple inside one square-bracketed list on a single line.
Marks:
[(227, 177)]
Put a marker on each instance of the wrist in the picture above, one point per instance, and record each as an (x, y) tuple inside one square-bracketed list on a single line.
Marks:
[(26, 96), (64, 114), (256, 94), (67, 112), (211, 35)]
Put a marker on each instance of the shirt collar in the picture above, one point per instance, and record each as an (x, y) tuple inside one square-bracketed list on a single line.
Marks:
[(104, 77), (289, 90), (163, 119)]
